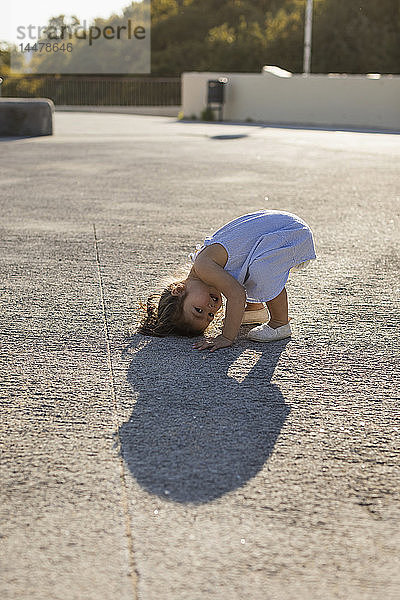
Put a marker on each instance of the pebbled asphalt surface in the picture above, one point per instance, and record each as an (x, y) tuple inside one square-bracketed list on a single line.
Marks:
[(138, 468)]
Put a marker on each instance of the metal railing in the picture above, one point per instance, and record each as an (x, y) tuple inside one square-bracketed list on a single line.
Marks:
[(96, 91)]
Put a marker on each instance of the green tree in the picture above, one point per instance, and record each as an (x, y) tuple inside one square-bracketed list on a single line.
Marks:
[(209, 35), (96, 56), (244, 35), (18, 59), (356, 37)]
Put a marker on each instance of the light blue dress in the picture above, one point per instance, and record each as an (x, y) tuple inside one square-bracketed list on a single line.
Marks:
[(262, 247)]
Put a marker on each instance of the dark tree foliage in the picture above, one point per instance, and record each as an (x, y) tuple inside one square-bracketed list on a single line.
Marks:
[(357, 37), (353, 36)]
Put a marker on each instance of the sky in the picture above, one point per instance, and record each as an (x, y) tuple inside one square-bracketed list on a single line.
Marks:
[(25, 12)]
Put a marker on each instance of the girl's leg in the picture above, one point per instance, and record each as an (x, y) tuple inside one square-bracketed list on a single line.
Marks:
[(278, 310), (254, 306)]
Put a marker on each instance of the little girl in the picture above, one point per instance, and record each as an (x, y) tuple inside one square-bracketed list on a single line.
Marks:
[(248, 261)]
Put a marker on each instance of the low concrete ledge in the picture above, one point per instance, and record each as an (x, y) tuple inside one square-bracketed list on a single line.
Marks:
[(362, 102), (154, 111), (26, 117)]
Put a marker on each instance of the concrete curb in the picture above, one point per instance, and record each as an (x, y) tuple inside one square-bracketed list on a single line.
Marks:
[(26, 116)]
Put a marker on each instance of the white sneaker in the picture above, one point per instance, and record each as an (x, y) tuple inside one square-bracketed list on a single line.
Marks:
[(265, 333)]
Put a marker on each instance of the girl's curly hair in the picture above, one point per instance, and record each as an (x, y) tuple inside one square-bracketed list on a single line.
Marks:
[(166, 318)]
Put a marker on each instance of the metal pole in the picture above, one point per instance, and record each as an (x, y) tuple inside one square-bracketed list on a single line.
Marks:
[(307, 37)]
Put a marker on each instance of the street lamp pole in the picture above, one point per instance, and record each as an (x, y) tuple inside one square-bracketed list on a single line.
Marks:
[(307, 37)]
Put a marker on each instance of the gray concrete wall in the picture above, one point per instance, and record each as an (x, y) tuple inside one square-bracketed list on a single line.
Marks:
[(356, 101), (26, 116)]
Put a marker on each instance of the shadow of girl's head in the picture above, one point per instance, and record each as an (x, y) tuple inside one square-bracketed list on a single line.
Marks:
[(203, 424)]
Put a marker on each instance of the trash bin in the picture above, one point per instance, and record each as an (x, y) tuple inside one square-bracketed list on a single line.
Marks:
[(216, 88), (216, 94)]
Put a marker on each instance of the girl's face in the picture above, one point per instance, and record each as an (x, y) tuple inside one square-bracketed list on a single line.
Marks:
[(201, 303)]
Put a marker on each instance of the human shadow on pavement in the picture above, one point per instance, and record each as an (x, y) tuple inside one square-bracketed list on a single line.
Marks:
[(228, 137), (203, 423)]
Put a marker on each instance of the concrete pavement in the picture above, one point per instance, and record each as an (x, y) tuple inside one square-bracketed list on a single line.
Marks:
[(138, 468)]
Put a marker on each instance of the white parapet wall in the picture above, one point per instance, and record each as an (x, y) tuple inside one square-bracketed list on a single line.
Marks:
[(277, 97)]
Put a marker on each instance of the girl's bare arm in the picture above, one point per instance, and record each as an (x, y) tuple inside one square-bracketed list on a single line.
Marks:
[(213, 274)]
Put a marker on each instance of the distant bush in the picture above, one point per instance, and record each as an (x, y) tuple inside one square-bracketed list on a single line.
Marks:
[(207, 114)]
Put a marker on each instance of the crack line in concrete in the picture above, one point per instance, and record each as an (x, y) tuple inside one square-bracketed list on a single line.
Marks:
[(124, 499)]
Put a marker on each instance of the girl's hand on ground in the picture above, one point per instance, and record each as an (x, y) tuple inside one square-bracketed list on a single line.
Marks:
[(214, 343)]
